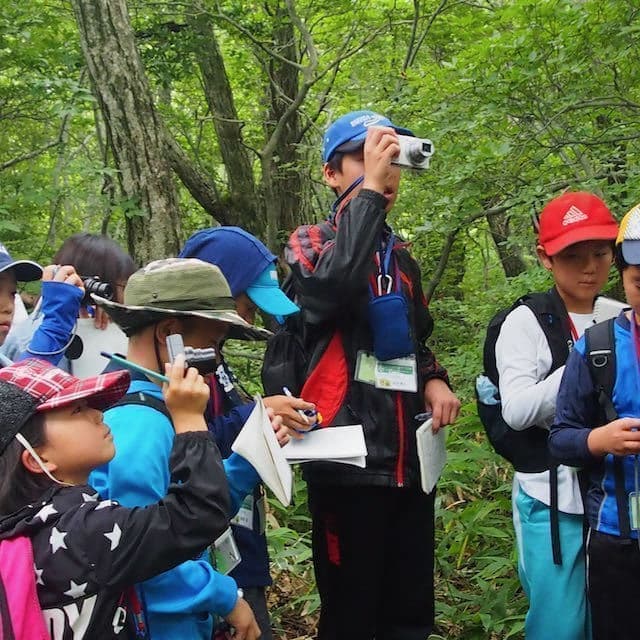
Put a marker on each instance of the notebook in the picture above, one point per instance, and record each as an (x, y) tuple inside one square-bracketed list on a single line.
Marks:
[(432, 454)]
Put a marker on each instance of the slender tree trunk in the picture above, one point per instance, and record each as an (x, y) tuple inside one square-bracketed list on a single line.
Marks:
[(284, 186), (136, 133), (241, 205), (509, 254)]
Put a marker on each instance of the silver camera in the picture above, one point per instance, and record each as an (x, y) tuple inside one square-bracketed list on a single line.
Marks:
[(204, 360), (415, 153)]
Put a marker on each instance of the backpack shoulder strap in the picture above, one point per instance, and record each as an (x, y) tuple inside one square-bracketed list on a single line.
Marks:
[(145, 399), (601, 359), (552, 315)]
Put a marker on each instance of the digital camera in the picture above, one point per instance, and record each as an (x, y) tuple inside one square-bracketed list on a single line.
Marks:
[(415, 153), (204, 360)]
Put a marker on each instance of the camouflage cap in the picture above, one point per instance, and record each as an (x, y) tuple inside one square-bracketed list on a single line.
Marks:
[(178, 287)]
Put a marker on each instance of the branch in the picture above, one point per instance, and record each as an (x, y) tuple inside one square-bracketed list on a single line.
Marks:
[(245, 32), (414, 31), (411, 55), (484, 213), (196, 181), (28, 156)]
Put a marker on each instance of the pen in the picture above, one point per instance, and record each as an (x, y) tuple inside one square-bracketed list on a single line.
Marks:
[(127, 364), (288, 393)]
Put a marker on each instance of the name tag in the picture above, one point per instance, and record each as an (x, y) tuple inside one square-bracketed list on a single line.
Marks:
[(400, 374), (226, 556)]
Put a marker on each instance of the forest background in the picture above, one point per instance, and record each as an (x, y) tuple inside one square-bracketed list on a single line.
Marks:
[(149, 119)]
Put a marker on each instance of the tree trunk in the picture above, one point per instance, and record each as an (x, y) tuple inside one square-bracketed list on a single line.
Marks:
[(285, 188), (509, 255), (241, 204), (136, 133)]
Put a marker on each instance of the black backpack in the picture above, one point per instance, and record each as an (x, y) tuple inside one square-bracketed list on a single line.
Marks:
[(526, 450), (285, 360)]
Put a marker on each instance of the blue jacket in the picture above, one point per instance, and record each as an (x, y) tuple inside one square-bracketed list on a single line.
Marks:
[(57, 317), (577, 412), (227, 397), (180, 602)]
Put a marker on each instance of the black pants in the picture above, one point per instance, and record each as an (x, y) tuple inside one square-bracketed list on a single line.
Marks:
[(373, 558), (613, 572)]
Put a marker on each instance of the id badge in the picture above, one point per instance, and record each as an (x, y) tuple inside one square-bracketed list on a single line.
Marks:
[(226, 556), (366, 368), (400, 374), (634, 511), (244, 517)]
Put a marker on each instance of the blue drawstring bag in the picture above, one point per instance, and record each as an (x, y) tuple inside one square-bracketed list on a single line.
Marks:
[(389, 314)]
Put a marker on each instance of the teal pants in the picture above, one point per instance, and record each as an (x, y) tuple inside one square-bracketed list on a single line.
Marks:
[(558, 607)]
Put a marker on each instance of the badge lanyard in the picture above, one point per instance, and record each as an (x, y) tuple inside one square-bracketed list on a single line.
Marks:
[(572, 329)]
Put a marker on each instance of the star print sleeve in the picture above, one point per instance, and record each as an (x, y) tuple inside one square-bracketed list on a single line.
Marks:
[(131, 545)]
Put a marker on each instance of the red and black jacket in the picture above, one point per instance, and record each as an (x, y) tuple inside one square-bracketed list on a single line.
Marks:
[(333, 264)]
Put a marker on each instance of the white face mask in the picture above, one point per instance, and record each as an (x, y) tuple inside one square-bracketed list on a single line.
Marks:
[(25, 443)]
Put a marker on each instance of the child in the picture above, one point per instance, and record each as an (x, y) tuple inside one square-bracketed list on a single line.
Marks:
[(86, 552), (373, 531), (62, 291), (575, 243), (609, 454), (191, 298), (249, 267)]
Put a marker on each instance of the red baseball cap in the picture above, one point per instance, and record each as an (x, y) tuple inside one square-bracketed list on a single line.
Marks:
[(573, 217), (33, 385)]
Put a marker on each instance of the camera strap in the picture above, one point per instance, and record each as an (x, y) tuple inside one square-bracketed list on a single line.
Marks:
[(345, 194)]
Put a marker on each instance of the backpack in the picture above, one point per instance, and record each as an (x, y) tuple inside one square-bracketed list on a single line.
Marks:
[(20, 613), (526, 450), (285, 360)]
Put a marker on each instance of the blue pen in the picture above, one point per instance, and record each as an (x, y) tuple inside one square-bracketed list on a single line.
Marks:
[(305, 413), (127, 364)]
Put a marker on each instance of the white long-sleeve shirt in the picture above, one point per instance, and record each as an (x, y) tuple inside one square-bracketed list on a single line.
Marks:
[(523, 359)]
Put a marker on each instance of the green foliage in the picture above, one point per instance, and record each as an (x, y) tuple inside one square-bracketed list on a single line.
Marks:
[(522, 99)]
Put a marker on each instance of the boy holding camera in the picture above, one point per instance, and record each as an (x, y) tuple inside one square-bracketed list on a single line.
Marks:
[(191, 298), (361, 297)]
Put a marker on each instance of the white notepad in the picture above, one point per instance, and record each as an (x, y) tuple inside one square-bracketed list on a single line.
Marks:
[(432, 454), (258, 444), (332, 444)]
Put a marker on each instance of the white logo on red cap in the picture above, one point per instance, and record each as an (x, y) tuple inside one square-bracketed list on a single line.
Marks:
[(572, 215)]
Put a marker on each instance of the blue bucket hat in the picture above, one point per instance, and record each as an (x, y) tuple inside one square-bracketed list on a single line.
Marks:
[(350, 130), (245, 262), (25, 270)]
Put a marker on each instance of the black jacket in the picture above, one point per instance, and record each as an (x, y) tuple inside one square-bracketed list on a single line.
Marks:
[(88, 551), (332, 266)]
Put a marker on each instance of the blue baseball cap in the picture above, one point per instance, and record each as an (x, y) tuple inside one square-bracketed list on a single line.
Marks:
[(350, 130), (246, 263), (25, 270)]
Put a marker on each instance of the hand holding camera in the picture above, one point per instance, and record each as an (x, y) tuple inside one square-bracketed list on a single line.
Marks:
[(186, 396)]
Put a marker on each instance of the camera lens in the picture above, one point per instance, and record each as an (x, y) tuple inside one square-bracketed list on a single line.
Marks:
[(419, 153), (97, 287)]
